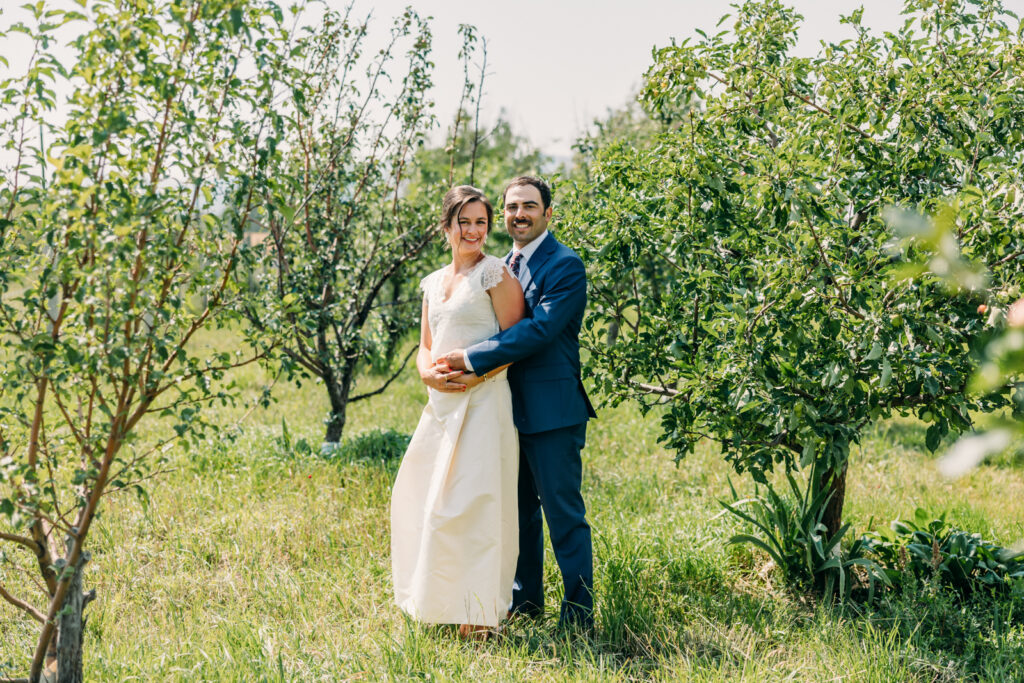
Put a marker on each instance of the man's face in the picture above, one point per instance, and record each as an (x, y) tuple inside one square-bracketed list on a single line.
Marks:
[(525, 215)]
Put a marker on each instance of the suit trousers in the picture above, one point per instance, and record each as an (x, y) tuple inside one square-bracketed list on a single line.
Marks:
[(550, 475)]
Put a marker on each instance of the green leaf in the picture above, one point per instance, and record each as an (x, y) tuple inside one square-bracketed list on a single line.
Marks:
[(288, 213), (236, 20), (807, 456), (886, 374), (753, 540)]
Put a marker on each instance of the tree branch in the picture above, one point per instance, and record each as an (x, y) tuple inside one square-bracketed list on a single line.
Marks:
[(839, 290), (390, 380), (653, 388), (1009, 258), (23, 606), (135, 482), (476, 121), (21, 540)]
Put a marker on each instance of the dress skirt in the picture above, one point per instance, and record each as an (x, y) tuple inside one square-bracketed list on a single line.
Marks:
[(454, 516)]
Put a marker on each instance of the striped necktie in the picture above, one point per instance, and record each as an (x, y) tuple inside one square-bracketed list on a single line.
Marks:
[(513, 265)]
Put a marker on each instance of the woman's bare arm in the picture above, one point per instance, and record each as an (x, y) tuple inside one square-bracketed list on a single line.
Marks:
[(431, 375), (507, 299)]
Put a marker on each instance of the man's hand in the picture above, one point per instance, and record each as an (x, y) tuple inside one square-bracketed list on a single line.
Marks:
[(439, 377), (469, 380), (456, 359)]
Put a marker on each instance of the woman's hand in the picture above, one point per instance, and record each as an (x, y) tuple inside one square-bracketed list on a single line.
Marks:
[(440, 376)]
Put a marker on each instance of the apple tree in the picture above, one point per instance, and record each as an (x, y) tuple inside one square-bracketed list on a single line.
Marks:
[(777, 323)]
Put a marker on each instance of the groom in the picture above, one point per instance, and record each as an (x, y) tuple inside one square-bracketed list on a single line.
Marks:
[(549, 404)]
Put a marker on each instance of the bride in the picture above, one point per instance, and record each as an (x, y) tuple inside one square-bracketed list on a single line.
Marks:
[(454, 517)]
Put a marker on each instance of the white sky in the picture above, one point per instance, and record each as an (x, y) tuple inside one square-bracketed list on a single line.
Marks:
[(556, 65)]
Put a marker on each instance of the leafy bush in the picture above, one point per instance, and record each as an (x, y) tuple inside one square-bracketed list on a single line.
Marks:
[(901, 557), (798, 541), (380, 445), (932, 549), (953, 638)]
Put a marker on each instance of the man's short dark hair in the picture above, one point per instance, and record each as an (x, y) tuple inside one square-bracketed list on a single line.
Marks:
[(542, 187)]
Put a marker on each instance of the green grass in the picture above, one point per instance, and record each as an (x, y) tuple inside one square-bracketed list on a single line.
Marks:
[(249, 563)]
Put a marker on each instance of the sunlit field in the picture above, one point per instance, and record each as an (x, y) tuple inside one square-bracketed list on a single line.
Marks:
[(253, 561)]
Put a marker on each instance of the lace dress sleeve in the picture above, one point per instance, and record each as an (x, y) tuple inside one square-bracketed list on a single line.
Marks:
[(491, 272), (427, 284)]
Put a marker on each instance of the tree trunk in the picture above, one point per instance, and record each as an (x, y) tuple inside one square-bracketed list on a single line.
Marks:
[(71, 628), (613, 333), (395, 327), (338, 389), (835, 479)]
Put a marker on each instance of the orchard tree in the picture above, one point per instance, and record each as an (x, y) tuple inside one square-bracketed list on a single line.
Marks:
[(338, 226), (785, 330), (352, 203), (622, 128), (474, 153), (113, 256), (498, 156)]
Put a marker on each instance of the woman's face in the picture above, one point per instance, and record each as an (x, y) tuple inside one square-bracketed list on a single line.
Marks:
[(468, 230)]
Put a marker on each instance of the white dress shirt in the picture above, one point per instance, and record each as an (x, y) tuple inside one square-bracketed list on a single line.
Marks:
[(527, 251), (524, 274)]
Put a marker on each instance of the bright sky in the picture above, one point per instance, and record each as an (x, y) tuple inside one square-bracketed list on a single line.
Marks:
[(556, 65)]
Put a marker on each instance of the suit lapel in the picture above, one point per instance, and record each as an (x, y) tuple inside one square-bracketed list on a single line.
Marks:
[(537, 263), (540, 257)]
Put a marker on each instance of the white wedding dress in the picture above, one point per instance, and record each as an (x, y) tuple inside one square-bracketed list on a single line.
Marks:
[(454, 517)]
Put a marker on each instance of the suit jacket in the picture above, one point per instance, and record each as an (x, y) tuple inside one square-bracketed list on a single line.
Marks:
[(547, 392)]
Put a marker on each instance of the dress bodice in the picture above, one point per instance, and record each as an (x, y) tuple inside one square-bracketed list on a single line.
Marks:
[(467, 316)]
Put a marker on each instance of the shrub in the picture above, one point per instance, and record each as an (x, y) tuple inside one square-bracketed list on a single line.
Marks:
[(933, 549), (799, 543), (380, 445)]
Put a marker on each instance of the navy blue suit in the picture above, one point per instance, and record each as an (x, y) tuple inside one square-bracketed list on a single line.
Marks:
[(550, 409)]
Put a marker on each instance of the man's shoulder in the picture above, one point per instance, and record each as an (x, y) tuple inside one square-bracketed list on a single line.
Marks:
[(564, 253), (567, 263)]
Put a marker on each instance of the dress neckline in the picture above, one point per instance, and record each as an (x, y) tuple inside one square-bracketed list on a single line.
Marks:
[(465, 278)]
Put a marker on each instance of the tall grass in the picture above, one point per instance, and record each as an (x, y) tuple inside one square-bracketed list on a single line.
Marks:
[(252, 563)]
